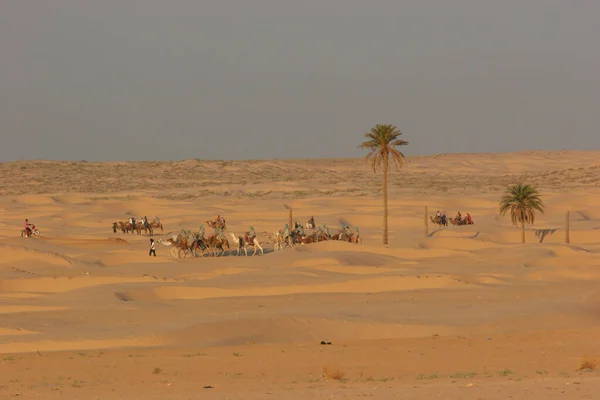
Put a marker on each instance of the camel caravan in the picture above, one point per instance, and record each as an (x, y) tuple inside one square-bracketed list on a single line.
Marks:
[(441, 219), (132, 226), (291, 238), (221, 242)]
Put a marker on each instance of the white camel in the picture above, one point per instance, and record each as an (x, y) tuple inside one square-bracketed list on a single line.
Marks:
[(241, 242), (276, 238)]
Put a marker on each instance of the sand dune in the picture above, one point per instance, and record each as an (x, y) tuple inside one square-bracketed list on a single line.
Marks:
[(63, 284), (372, 285), (434, 310), (296, 329)]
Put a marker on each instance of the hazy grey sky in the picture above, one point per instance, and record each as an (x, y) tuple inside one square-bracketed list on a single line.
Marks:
[(246, 79)]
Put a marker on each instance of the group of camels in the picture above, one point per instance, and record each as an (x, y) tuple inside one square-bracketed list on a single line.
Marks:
[(187, 243), (137, 227), (458, 220)]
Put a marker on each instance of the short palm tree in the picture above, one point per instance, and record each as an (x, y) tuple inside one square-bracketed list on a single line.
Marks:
[(381, 143), (522, 201)]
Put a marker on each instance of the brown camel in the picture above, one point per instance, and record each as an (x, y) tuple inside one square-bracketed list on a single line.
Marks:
[(201, 244), (180, 245), (156, 225), (215, 243), (216, 224), (147, 229), (133, 228)]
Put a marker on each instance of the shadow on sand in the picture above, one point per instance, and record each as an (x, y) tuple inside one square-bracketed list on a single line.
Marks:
[(542, 233)]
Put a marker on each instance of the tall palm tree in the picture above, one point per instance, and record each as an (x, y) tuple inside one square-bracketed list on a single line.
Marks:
[(381, 143), (522, 201)]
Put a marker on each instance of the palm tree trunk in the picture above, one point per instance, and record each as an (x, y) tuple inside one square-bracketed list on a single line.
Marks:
[(523, 232), (385, 199)]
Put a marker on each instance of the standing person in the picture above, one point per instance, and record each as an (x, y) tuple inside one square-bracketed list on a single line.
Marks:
[(152, 248)]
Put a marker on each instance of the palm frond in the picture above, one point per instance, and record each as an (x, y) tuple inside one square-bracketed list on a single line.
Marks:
[(521, 201), (381, 142)]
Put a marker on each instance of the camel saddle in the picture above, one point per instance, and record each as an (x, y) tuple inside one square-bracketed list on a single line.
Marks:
[(249, 240)]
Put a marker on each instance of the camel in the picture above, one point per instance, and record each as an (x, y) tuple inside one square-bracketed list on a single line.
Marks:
[(346, 237), (180, 244), (147, 229), (199, 243), (460, 221), (245, 241), (276, 238), (356, 239), (215, 243), (156, 224), (216, 224), (322, 236), (132, 228), (438, 221), (304, 239), (119, 226), (351, 237), (122, 226)]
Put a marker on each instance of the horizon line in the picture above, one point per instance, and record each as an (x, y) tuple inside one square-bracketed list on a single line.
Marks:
[(293, 158)]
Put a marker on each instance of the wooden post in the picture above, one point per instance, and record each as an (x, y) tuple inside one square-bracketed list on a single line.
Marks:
[(426, 224), (567, 237)]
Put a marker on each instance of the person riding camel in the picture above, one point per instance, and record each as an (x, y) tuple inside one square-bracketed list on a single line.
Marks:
[(326, 231), (311, 221), (438, 214), (444, 218), (201, 231), (469, 218), (300, 230), (286, 232), (348, 230), (146, 222)]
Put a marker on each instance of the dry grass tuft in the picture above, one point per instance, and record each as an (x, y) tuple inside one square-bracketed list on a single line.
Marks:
[(588, 364), (333, 373)]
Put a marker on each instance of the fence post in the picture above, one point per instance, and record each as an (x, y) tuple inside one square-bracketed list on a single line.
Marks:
[(567, 224), (426, 224)]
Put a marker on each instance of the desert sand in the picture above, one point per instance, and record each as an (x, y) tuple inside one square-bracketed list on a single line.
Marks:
[(465, 312)]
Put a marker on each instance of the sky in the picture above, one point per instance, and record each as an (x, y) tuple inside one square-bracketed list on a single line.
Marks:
[(264, 79)]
